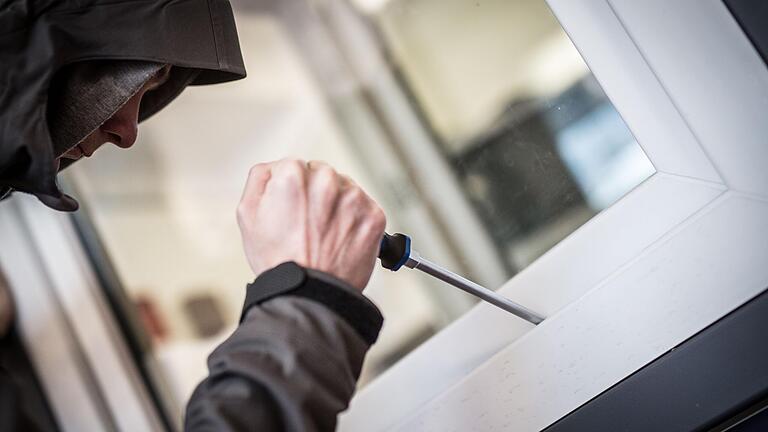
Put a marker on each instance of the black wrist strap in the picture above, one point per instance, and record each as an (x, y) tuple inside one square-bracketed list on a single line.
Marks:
[(292, 279)]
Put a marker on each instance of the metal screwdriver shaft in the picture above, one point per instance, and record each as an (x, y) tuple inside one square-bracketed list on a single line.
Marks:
[(395, 252), (492, 297)]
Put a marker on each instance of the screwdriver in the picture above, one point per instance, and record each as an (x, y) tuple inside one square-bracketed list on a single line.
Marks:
[(395, 252)]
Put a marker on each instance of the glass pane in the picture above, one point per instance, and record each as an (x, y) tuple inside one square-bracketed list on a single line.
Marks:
[(537, 145), (493, 91)]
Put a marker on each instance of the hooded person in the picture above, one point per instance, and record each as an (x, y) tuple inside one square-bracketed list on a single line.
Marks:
[(76, 74), (125, 43)]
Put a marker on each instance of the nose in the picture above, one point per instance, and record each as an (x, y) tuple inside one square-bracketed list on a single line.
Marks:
[(122, 128)]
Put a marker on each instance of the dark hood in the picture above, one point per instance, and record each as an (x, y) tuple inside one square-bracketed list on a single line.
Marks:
[(40, 37)]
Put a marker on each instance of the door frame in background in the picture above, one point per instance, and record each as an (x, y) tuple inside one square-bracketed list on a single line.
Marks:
[(66, 325)]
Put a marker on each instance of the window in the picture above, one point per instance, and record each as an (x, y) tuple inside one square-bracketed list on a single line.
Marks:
[(483, 135)]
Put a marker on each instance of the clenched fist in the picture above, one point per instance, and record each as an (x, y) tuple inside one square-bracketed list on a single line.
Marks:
[(308, 213)]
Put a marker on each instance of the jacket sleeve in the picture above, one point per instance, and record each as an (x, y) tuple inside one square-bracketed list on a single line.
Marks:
[(291, 365)]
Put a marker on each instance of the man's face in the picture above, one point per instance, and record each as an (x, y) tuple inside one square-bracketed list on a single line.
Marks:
[(122, 128)]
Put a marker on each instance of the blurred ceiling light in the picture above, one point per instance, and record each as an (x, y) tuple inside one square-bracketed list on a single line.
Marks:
[(554, 66), (370, 6)]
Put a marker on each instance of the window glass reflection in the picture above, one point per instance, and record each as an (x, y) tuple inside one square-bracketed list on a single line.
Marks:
[(526, 127)]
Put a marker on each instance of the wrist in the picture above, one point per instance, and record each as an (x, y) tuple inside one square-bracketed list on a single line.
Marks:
[(292, 279)]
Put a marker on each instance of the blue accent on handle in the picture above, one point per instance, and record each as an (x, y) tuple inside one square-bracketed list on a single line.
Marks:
[(405, 256), (394, 250)]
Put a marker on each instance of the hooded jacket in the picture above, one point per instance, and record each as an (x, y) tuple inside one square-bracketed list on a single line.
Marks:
[(293, 362), (40, 37)]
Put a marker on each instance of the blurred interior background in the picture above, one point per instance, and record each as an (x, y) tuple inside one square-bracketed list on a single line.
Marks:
[(474, 123)]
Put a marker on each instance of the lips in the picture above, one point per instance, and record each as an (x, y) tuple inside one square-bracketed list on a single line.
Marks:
[(84, 152)]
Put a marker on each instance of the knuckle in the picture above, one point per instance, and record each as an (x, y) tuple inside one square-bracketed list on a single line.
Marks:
[(357, 195), (326, 174), (328, 188), (258, 175), (376, 221), (297, 166), (249, 180), (297, 163), (293, 162), (317, 164), (258, 169), (379, 219), (356, 202), (294, 172), (255, 170), (347, 180)]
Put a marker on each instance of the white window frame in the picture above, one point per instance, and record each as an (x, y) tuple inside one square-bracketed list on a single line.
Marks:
[(674, 255), (680, 251)]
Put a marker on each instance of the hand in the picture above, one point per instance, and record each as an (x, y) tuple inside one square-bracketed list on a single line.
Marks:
[(310, 214)]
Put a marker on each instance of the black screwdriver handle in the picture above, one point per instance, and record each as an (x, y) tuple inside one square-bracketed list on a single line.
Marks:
[(394, 251)]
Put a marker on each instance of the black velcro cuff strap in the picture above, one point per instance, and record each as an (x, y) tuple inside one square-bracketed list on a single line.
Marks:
[(291, 279)]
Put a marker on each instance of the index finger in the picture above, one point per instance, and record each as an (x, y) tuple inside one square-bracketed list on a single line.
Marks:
[(258, 177)]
